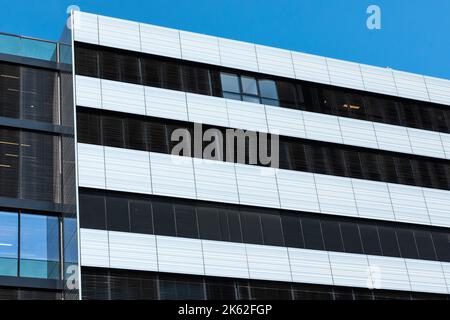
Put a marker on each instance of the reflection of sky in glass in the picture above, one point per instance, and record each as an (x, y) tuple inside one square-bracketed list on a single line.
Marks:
[(8, 234), (39, 237)]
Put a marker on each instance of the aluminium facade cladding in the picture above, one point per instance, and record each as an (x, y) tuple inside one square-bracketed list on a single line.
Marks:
[(357, 209), (350, 218)]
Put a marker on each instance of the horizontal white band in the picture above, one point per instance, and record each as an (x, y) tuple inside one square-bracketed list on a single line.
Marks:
[(119, 250)]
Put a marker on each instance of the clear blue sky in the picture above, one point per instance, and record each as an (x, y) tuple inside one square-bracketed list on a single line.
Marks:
[(415, 34)]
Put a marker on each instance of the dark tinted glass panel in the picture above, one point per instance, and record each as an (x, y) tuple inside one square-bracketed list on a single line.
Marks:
[(287, 94), (274, 292), (389, 244), (86, 61), (135, 136), (312, 234), (10, 87), (117, 215), (157, 138), (89, 128), (370, 239), (119, 67), (230, 225), (220, 291), (251, 228), (209, 224), (272, 231), (92, 211), (141, 218), (292, 231), (425, 245), (442, 245), (332, 236), (9, 157), (186, 221), (407, 244), (164, 219), (113, 133), (351, 237), (196, 80)]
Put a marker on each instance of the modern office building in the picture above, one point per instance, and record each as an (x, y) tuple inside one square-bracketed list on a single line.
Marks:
[(358, 206)]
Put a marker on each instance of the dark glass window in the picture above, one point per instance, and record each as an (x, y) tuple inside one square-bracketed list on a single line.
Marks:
[(92, 211), (89, 128), (292, 231), (370, 239), (117, 215), (389, 243), (141, 218), (272, 231), (209, 225), (251, 228), (407, 244), (86, 62), (186, 221), (113, 133), (288, 95), (135, 136), (165, 75), (425, 245), (230, 225), (351, 237), (220, 290), (197, 80), (312, 234), (119, 67), (164, 218), (332, 236), (442, 245)]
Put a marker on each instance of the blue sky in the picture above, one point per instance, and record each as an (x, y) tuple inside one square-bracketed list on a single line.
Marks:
[(415, 34)]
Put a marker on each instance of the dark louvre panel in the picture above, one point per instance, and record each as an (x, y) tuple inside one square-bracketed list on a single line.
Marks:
[(113, 131), (141, 218), (95, 284), (86, 62), (117, 216), (251, 228), (10, 85), (89, 128), (92, 211), (119, 67), (10, 160), (164, 218), (157, 138), (135, 135), (186, 221), (159, 74), (28, 294), (196, 80), (40, 176)]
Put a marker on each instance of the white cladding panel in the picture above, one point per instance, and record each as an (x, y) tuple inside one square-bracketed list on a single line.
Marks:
[(345, 74), (89, 92), (310, 67), (268, 263), (132, 251), (91, 166), (426, 276), (439, 90), (94, 248), (257, 186), (225, 259), (85, 27), (285, 122), (310, 267), (163, 103), (160, 41), (380, 80), (127, 170), (411, 85), (172, 176), (215, 181), (180, 255), (248, 116), (297, 191), (238, 55), (119, 33), (409, 204), (199, 47), (123, 97), (275, 61)]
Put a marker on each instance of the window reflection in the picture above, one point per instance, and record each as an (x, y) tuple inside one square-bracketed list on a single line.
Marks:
[(8, 243), (39, 246)]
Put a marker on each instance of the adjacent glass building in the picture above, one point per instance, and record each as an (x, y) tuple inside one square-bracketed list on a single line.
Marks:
[(94, 205)]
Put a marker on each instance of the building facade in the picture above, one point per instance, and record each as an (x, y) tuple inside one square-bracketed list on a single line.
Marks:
[(357, 207)]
